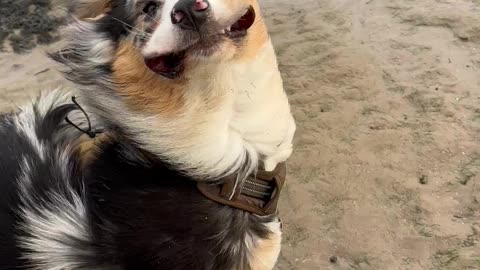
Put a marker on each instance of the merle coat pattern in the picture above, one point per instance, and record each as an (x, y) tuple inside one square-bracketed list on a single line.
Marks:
[(125, 211)]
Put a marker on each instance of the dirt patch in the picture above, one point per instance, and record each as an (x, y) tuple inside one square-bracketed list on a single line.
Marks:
[(26, 23)]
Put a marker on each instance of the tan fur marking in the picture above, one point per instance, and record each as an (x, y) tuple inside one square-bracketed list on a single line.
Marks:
[(86, 148), (91, 9), (266, 251), (144, 90)]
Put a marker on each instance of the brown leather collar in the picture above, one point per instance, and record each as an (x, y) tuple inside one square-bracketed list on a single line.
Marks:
[(259, 194)]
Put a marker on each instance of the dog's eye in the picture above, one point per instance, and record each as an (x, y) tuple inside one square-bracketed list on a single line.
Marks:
[(150, 8)]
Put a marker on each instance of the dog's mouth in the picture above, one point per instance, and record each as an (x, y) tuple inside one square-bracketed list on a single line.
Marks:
[(172, 64)]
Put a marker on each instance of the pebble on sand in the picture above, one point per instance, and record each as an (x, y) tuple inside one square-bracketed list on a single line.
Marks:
[(423, 180), (333, 259)]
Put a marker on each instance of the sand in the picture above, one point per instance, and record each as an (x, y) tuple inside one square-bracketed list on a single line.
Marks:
[(25, 23), (386, 168)]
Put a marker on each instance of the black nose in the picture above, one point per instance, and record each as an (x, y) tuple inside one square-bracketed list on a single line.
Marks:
[(190, 14)]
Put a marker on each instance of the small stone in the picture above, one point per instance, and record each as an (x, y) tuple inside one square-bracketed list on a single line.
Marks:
[(333, 259), (423, 180)]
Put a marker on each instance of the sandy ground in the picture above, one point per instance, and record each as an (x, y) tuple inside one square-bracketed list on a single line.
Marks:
[(386, 169)]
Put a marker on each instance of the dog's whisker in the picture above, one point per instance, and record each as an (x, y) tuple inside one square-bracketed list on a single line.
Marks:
[(134, 29), (152, 18), (124, 23), (139, 33)]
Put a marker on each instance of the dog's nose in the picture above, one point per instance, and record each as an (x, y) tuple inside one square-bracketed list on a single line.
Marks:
[(190, 14)]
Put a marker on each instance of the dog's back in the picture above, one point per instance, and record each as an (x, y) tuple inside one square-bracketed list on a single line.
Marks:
[(40, 193)]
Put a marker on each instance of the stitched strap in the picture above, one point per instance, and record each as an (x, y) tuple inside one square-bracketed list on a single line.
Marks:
[(258, 195)]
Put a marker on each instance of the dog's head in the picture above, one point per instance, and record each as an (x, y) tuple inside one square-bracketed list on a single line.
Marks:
[(150, 53), (175, 37), (180, 77)]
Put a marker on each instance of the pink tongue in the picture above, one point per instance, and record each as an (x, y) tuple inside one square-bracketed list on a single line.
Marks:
[(158, 65), (168, 66)]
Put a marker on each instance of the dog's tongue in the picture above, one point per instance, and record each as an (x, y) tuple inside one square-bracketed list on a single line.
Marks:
[(168, 66)]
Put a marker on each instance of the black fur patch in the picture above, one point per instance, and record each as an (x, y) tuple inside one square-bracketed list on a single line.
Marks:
[(146, 216)]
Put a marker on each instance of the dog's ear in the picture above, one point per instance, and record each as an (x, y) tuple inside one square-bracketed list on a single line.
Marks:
[(89, 9)]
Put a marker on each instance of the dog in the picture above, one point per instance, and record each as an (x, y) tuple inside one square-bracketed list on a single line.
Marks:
[(188, 96)]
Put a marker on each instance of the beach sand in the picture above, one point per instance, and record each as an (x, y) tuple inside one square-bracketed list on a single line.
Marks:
[(386, 93)]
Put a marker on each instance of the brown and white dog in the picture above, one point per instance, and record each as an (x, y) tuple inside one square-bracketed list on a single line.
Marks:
[(188, 91)]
